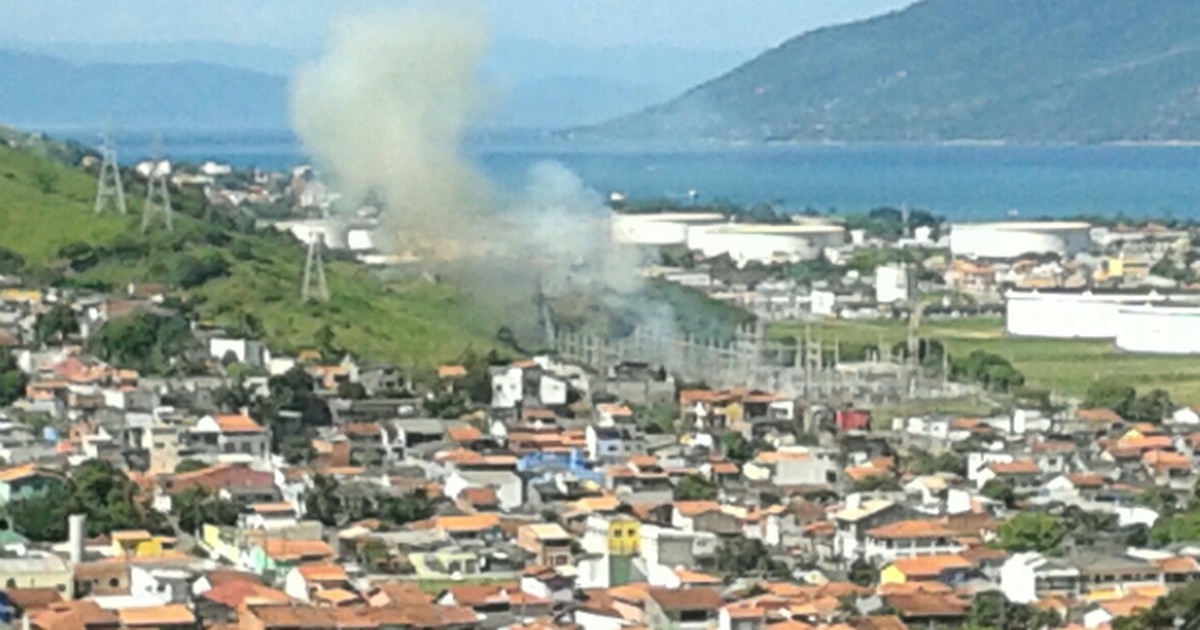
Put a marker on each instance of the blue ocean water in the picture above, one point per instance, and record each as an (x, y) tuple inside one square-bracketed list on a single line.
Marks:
[(961, 182)]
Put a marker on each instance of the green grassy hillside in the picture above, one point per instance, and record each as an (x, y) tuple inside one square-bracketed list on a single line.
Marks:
[(232, 275)]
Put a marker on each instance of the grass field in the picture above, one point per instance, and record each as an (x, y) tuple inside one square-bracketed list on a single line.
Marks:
[(45, 205), (1064, 366)]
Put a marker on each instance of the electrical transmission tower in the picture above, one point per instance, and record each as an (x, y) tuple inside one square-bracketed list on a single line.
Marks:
[(158, 191), (110, 191), (314, 270)]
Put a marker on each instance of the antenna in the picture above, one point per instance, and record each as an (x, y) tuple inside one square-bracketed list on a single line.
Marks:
[(158, 192), (314, 265), (109, 189)]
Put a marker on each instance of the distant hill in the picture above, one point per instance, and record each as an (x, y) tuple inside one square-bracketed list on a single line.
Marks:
[(193, 85), (1013, 70), (43, 92)]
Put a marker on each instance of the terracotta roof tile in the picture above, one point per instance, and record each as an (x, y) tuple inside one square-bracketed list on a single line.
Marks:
[(920, 567), (323, 573), (1018, 467), (912, 529), (237, 424), (155, 616)]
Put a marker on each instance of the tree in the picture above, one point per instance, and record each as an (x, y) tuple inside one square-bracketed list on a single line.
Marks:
[(1179, 608), (1153, 407), (10, 262), (96, 489), (877, 483), (414, 506), (352, 391), (193, 271), (695, 488), (146, 342), (12, 379), (196, 506), (324, 502), (56, 324), (994, 611), (1000, 490), (46, 178), (737, 448), (297, 449), (189, 465), (1109, 394), (743, 556), (863, 573), (1030, 531)]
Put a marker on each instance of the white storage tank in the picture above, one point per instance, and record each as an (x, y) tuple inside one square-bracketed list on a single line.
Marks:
[(1009, 240), (1159, 329), (668, 228), (766, 243), (1065, 315)]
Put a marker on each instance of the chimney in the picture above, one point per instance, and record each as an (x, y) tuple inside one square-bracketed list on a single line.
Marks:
[(77, 527)]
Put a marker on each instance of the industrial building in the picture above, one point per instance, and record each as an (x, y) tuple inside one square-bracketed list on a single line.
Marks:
[(1009, 240), (659, 229), (1143, 322), (746, 243)]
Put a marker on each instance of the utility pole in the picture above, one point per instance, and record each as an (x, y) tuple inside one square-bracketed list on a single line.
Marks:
[(110, 191), (158, 191), (314, 271)]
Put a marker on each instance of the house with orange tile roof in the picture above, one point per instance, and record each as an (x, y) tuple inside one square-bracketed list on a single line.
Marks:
[(1023, 474), (948, 569), (304, 581), (908, 539), (28, 480), (166, 617), (794, 466), (231, 438), (272, 515)]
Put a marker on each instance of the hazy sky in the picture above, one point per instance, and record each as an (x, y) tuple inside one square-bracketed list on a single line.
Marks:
[(702, 24)]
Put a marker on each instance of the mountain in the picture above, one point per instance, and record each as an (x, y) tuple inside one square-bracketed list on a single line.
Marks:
[(942, 70), (215, 85), (44, 92), (264, 59)]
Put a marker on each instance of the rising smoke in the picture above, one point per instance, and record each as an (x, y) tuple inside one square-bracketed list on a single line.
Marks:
[(384, 113)]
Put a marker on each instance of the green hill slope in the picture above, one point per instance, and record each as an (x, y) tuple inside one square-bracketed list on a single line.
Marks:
[(1021, 70), (232, 275)]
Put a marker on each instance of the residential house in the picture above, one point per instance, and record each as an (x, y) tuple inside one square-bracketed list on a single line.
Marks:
[(950, 569), (37, 571), (27, 481), (1030, 576), (793, 466), (549, 543), (1023, 475), (274, 515), (859, 516), (682, 609), (907, 539), (229, 438), (304, 581)]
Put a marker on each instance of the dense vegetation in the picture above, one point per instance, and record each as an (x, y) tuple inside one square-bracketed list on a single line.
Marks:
[(96, 489), (219, 266), (1026, 70)]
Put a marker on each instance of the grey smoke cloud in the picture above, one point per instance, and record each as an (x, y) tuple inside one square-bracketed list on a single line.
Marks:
[(384, 112)]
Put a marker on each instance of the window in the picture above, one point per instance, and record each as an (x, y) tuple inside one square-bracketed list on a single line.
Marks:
[(11, 583), (114, 582), (617, 533)]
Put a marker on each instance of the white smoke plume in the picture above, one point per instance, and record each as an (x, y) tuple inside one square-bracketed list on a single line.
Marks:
[(384, 113)]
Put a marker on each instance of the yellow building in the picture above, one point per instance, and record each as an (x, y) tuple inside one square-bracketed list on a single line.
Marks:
[(138, 543), (624, 536), (945, 568)]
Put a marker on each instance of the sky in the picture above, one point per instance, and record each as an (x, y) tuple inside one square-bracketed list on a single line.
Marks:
[(301, 24)]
